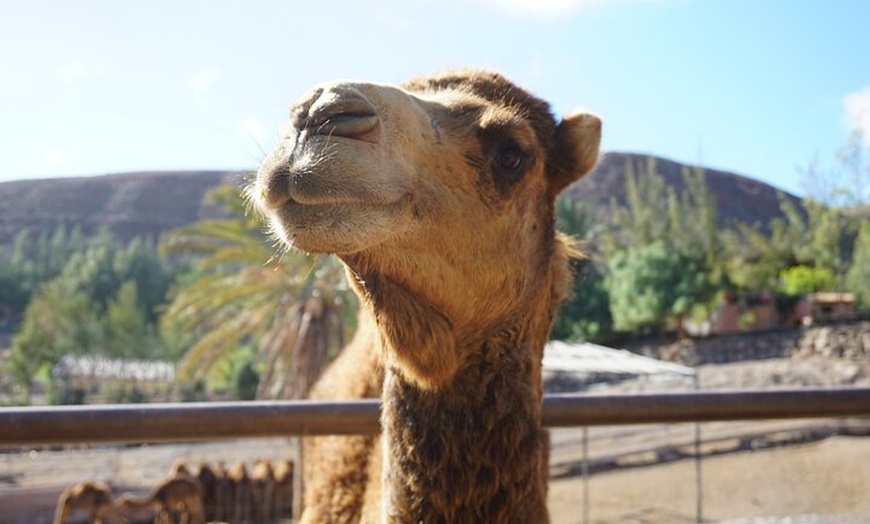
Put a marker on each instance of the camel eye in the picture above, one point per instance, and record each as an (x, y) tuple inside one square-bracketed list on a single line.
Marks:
[(510, 160)]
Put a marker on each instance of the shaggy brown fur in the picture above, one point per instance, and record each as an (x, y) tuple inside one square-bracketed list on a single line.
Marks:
[(240, 493), (177, 500), (438, 198), (223, 493), (93, 498), (263, 490), (180, 469), (336, 468), (284, 488), (208, 480)]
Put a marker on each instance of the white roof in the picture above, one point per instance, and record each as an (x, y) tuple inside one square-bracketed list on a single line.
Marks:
[(591, 358), (101, 367)]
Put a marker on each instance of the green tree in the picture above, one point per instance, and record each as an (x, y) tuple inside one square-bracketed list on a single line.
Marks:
[(291, 305), (847, 183), (653, 283), (858, 275), (129, 334), (57, 322), (152, 275), (644, 217), (28, 265), (247, 381), (801, 280), (92, 271), (86, 301), (813, 235), (755, 259), (13, 290), (657, 229), (585, 314)]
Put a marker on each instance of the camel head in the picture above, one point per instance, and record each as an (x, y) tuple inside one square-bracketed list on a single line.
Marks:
[(438, 197)]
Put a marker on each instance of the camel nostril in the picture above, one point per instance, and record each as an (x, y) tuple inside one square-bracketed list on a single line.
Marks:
[(342, 111), (348, 125)]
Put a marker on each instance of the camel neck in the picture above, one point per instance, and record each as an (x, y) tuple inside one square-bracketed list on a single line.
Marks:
[(470, 451)]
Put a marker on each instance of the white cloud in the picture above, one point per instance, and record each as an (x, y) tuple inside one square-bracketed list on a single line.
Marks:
[(203, 79), (78, 70), (551, 9), (254, 127), (394, 20), (55, 158), (857, 107), (201, 83), (73, 70)]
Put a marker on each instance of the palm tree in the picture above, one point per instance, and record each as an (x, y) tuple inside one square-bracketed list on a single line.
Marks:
[(291, 306)]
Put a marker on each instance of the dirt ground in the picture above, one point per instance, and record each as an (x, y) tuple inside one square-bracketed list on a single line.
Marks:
[(823, 478), (828, 477), (827, 481)]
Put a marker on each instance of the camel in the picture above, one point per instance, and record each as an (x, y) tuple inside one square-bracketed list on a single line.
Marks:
[(240, 493), (263, 490), (283, 470), (438, 197), (208, 480), (223, 493), (179, 468), (337, 469), (177, 500), (93, 498)]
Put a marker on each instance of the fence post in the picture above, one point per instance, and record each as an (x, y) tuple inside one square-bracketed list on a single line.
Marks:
[(699, 487), (585, 474)]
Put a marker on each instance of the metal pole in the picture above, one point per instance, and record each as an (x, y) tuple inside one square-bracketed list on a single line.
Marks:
[(699, 491), (706, 406), (585, 474), (298, 480), (216, 421)]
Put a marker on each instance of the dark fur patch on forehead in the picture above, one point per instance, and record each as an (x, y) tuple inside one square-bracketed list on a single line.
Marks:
[(497, 89)]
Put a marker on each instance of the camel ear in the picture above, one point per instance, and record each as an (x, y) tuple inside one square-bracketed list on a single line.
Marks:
[(577, 139)]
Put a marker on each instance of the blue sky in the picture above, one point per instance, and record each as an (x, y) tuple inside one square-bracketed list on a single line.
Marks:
[(752, 86)]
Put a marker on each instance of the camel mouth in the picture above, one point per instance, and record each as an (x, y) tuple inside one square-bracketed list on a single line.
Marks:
[(298, 213), (338, 227)]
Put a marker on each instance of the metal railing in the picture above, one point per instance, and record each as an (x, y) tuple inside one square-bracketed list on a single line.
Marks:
[(141, 423)]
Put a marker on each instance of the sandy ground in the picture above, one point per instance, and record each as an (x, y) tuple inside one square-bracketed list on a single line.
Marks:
[(828, 477), (823, 478)]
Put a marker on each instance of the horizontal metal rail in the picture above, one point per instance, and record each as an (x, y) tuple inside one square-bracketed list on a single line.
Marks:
[(141, 423)]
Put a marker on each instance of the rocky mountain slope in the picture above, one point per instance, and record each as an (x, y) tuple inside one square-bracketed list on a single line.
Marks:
[(738, 198), (128, 204)]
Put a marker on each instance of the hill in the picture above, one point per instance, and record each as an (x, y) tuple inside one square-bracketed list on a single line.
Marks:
[(738, 198), (149, 203), (130, 204)]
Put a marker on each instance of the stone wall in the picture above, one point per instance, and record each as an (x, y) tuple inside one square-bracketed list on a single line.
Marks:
[(844, 340), (849, 341)]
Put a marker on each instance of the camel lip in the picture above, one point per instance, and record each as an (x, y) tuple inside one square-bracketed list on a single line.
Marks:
[(322, 203)]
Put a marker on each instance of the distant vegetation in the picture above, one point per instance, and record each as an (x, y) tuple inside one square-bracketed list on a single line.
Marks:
[(669, 257), (77, 297), (217, 297), (244, 319)]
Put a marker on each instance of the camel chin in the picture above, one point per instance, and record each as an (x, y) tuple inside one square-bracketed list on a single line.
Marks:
[(344, 228)]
